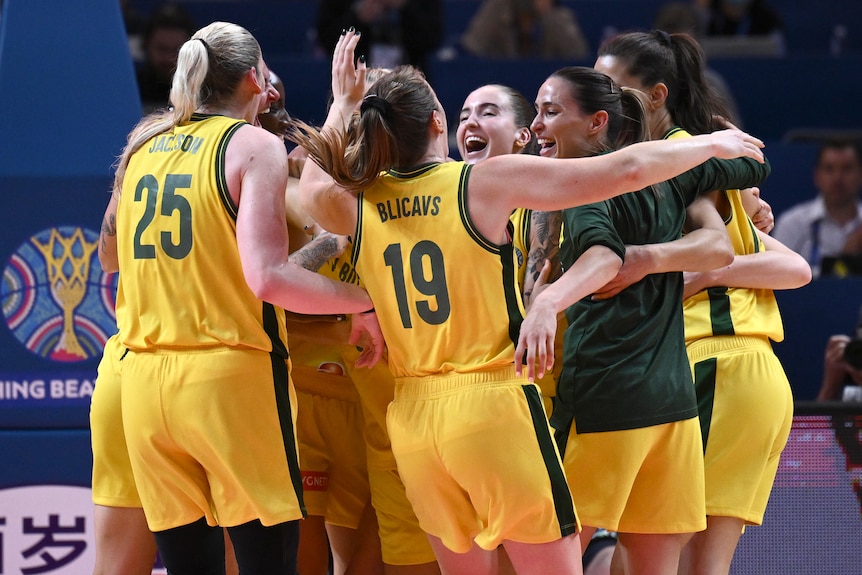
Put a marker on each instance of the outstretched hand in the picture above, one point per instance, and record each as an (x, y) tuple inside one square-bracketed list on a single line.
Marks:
[(348, 77)]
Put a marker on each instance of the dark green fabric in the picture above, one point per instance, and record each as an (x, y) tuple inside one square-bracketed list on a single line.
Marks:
[(624, 359)]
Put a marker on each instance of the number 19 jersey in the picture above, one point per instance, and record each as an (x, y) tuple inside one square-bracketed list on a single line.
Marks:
[(447, 298)]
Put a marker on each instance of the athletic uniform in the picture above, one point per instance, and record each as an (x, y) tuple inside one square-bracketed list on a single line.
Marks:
[(113, 481), (402, 540), (329, 429), (521, 220), (625, 414), (208, 406), (331, 444), (449, 307), (744, 399)]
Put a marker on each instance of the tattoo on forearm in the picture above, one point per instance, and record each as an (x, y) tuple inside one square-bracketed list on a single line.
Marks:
[(544, 245), (109, 225), (313, 255), (109, 230)]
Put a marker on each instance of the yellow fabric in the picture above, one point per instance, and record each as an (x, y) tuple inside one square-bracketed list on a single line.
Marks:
[(444, 295), (520, 219), (459, 462), (402, 541), (331, 450), (179, 230), (113, 482), (749, 419), (752, 311), (646, 480), (214, 437)]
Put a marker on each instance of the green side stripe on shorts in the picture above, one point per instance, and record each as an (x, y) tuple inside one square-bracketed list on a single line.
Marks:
[(704, 387), (281, 384), (563, 503)]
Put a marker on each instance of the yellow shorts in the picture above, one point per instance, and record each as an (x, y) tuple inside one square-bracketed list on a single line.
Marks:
[(647, 480), (478, 461), (211, 434), (746, 411), (113, 482), (376, 388), (401, 539), (331, 447)]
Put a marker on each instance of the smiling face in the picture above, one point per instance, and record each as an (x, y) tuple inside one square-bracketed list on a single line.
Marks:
[(487, 126), (562, 129), (274, 117)]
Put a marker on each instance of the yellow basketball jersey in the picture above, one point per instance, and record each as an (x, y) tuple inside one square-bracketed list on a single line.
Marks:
[(306, 354), (733, 311), (182, 284), (446, 297)]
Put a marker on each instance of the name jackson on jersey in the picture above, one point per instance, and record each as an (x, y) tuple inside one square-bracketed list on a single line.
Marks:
[(176, 142), (409, 206)]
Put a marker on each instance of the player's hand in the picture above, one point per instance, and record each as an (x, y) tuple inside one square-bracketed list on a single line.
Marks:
[(732, 143), (348, 77), (536, 340), (365, 333)]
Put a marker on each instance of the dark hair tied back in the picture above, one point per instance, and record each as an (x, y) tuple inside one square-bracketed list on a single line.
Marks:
[(376, 102), (663, 37)]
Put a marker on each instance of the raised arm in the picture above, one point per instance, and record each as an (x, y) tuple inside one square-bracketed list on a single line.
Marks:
[(500, 184), (330, 205), (554, 184)]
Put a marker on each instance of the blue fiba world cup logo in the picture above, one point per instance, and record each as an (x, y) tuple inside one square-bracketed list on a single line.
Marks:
[(57, 301)]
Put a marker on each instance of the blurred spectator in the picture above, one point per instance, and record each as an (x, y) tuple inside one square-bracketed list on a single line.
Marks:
[(682, 17), (525, 29), (741, 28), (740, 18), (134, 24), (827, 231), (166, 30), (393, 31), (842, 367)]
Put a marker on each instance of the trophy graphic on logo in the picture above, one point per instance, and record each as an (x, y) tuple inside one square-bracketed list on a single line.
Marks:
[(67, 260), (57, 301)]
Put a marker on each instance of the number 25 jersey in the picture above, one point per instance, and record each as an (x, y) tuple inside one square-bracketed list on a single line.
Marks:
[(181, 279)]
